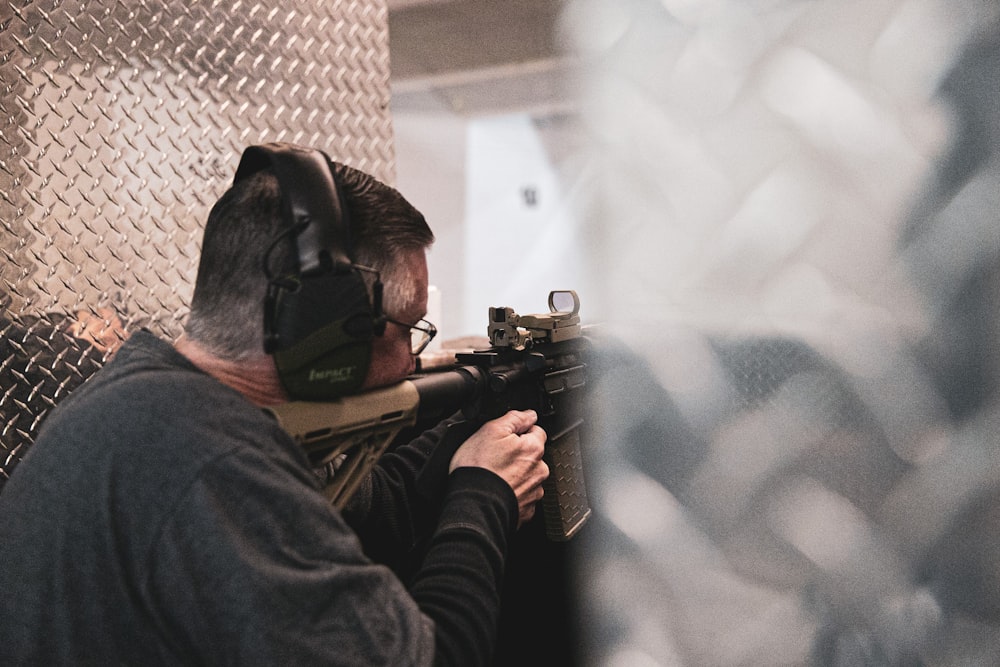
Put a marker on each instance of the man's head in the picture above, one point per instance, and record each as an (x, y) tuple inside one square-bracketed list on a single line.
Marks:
[(246, 229)]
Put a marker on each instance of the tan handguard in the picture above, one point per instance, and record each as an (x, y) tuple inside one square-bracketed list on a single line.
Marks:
[(350, 433)]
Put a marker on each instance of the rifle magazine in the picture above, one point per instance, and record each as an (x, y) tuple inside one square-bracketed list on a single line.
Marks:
[(565, 505)]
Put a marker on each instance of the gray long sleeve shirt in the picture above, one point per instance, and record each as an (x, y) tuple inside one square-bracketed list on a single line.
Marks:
[(160, 518)]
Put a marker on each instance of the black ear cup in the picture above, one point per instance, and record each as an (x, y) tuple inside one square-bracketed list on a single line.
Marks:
[(323, 352), (318, 321)]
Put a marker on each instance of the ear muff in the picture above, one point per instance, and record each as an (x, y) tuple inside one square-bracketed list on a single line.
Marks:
[(318, 319)]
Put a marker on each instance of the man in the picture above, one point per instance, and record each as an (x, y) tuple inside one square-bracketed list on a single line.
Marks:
[(162, 517)]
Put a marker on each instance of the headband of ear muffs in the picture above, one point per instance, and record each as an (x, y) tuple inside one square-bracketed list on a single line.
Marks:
[(319, 320)]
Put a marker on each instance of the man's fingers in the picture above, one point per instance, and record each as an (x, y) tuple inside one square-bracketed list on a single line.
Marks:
[(518, 421), (511, 446)]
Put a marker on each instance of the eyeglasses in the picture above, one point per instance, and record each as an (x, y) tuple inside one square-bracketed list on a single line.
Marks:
[(421, 334)]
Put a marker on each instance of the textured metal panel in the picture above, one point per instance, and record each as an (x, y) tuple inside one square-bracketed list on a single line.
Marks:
[(794, 207), (120, 124)]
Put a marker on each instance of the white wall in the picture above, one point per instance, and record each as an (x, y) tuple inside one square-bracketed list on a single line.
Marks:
[(520, 239), (505, 233), (430, 173)]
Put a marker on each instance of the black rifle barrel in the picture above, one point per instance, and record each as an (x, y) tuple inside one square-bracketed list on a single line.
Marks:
[(443, 393)]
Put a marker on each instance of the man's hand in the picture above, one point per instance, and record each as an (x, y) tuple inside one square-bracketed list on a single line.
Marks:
[(510, 446)]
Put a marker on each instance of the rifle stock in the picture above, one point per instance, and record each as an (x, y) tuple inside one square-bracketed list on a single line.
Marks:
[(350, 433), (545, 373)]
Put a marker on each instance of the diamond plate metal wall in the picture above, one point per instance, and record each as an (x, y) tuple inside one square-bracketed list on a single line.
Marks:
[(120, 124), (793, 206)]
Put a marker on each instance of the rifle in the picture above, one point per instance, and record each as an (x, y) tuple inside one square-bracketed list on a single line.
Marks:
[(534, 362)]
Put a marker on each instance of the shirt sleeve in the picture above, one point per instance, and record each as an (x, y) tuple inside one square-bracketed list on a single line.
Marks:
[(460, 580), (445, 535), (254, 566), (396, 507)]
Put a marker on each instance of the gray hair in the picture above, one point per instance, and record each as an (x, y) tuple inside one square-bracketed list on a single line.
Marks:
[(227, 309)]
